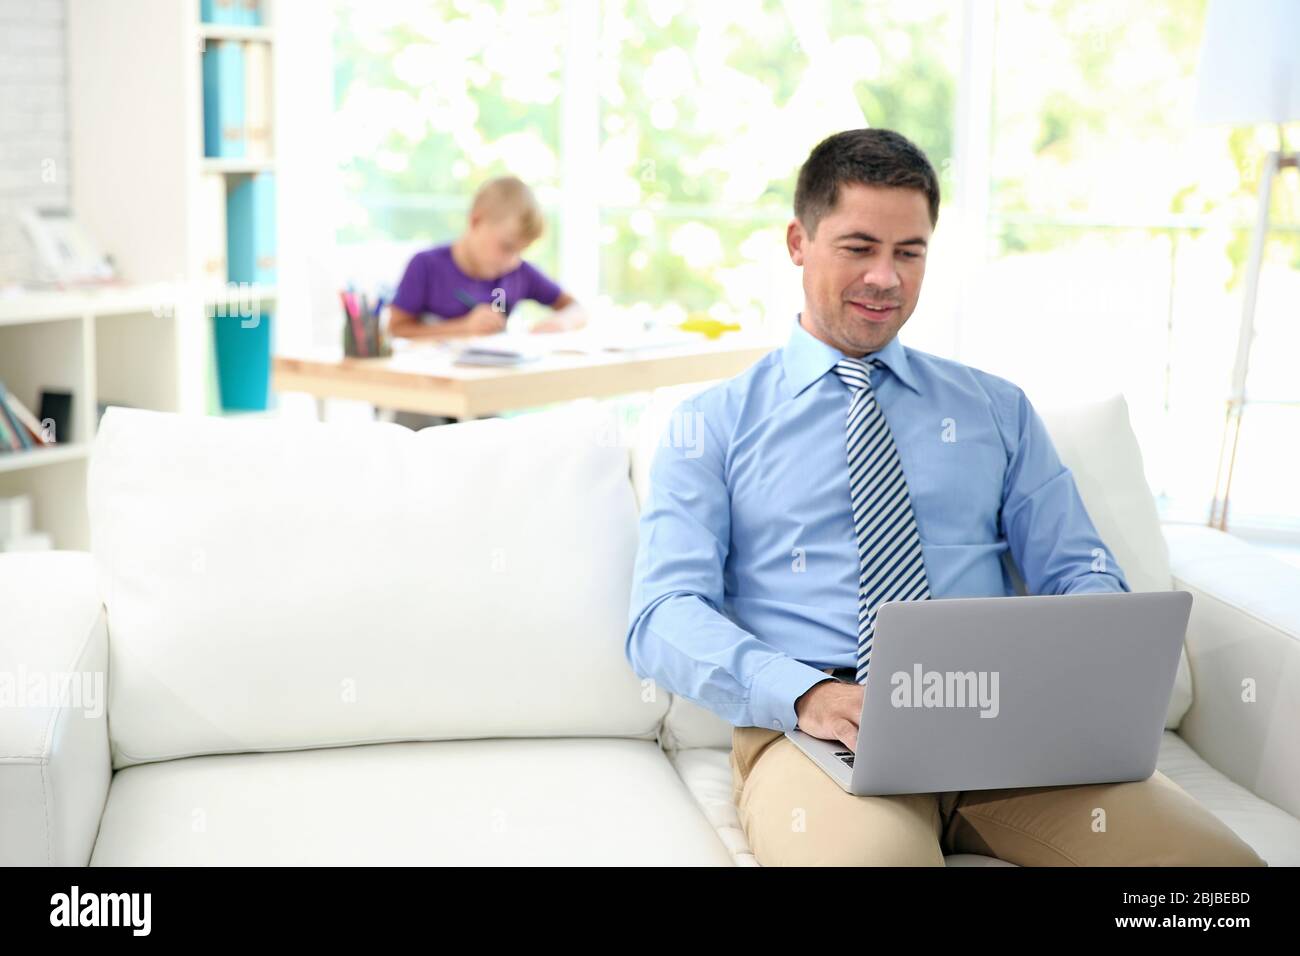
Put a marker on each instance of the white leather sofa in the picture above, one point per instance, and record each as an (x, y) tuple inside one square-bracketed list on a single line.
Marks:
[(362, 644)]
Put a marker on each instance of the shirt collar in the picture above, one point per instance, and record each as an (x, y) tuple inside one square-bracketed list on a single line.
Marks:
[(807, 358)]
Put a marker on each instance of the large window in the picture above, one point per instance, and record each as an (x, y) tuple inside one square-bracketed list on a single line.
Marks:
[(704, 113), (1087, 217), (1120, 226), (433, 98), (707, 112)]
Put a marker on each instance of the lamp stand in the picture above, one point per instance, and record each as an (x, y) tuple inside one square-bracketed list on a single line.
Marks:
[(1276, 161)]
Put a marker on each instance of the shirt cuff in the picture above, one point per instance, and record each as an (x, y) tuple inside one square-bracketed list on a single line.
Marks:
[(776, 687), (1097, 582)]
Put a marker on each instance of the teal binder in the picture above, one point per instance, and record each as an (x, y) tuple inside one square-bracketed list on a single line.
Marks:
[(223, 99), (243, 353), (250, 229), (243, 361), (220, 11)]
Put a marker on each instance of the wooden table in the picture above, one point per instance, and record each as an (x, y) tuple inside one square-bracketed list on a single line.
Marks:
[(424, 379)]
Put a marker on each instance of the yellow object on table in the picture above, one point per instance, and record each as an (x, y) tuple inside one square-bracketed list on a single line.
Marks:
[(708, 327)]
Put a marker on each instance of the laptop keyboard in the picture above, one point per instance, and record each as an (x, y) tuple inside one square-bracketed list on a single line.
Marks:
[(846, 756)]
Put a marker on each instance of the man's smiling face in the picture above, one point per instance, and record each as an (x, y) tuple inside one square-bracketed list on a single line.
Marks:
[(863, 265)]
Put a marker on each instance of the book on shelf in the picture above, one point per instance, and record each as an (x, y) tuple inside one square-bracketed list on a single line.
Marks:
[(227, 12), (212, 220), (26, 417), (257, 101), (223, 99), (19, 429), (8, 440), (25, 440), (250, 229), (242, 13)]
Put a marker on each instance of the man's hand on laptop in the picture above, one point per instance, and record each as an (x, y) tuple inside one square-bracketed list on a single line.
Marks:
[(831, 709)]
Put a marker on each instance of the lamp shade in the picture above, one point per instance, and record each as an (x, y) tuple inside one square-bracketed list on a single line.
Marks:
[(1250, 62)]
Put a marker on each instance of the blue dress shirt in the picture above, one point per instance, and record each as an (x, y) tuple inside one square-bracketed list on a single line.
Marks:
[(745, 585)]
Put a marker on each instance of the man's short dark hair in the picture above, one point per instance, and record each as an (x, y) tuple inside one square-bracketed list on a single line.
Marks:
[(868, 157)]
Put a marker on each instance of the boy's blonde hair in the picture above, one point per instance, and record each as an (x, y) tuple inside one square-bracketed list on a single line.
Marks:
[(509, 196)]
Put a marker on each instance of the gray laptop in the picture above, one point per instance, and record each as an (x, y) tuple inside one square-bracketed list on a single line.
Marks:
[(990, 693)]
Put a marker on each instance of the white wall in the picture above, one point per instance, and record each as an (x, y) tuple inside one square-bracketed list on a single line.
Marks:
[(33, 121)]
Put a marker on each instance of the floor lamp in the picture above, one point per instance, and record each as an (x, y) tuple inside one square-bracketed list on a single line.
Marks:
[(1249, 74)]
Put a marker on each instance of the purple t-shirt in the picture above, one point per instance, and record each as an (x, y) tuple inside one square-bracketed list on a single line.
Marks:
[(433, 283)]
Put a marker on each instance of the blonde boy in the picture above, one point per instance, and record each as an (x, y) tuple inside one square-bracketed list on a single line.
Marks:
[(470, 286)]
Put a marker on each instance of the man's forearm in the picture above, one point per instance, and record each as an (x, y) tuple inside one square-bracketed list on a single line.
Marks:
[(710, 660)]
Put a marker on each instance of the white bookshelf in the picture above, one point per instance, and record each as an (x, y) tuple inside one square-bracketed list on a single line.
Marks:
[(225, 31), (54, 455), (123, 345), (237, 167), (135, 109)]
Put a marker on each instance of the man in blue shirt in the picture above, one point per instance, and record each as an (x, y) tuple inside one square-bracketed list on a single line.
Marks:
[(843, 471)]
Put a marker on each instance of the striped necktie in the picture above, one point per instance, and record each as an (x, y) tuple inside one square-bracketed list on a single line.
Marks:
[(890, 565)]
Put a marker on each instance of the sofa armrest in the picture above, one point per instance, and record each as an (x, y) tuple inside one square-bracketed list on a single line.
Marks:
[(1244, 635), (54, 756)]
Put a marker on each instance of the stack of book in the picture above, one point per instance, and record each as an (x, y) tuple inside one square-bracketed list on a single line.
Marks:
[(501, 349), (19, 429)]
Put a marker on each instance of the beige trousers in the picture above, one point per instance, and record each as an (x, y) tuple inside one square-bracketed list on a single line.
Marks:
[(795, 815)]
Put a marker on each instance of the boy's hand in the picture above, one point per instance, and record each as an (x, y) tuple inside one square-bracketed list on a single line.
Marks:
[(831, 710), (484, 320)]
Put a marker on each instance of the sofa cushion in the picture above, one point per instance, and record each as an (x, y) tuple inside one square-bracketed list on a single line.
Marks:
[(592, 802), (1243, 641), (277, 585), (707, 772), (1097, 444), (1272, 833)]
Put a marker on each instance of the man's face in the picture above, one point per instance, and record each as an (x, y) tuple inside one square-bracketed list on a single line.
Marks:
[(862, 270), (496, 244)]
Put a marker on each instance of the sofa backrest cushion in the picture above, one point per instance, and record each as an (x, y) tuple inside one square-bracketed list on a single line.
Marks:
[(1095, 441), (274, 585)]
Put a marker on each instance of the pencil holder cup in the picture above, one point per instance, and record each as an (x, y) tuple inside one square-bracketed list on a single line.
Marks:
[(374, 349)]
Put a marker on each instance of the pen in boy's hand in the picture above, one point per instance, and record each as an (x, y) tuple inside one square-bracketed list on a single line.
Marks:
[(464, 298)]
